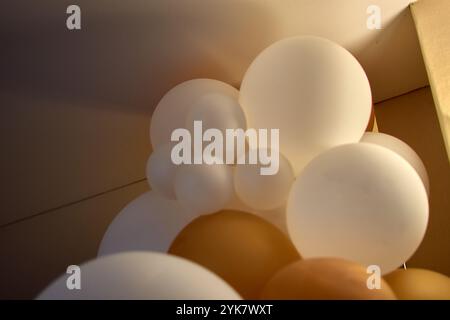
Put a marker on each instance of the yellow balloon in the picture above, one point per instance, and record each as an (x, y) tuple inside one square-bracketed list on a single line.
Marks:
[(324, 279), (419, 284), (242, 248)]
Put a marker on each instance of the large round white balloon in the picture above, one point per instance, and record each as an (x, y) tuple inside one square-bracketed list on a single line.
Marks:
[(204, 188), (150, 222), (160, 171), (141, 275), (360, 202), (263, 192), (171, 111), (311, 89), (402, 149)]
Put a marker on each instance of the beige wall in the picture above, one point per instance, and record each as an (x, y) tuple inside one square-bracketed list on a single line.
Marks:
[(413, 119), (432, 22)]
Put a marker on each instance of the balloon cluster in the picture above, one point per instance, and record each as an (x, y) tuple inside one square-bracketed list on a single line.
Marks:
[(342, 199)]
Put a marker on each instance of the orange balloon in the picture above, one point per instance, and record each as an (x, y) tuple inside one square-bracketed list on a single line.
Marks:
[(242, 248), (324, 279), (419, 284)]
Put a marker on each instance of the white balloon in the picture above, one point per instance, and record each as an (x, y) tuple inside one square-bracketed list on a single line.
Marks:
[(171, 111), (204, 188), (150, 222), (218, 111), (276, 217), (402, 149), (263, 192), (160, 171), (360, 202), (142, 275), (311, 89)]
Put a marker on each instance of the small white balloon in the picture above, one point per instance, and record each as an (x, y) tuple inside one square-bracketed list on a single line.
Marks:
[(172, 110), (276, 217), (263, 192), (360, 202), (218, 111), (150, 222), (160, 171), (401, 148), (204, 188), (139, 276), (221, 112), (311, 89)]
